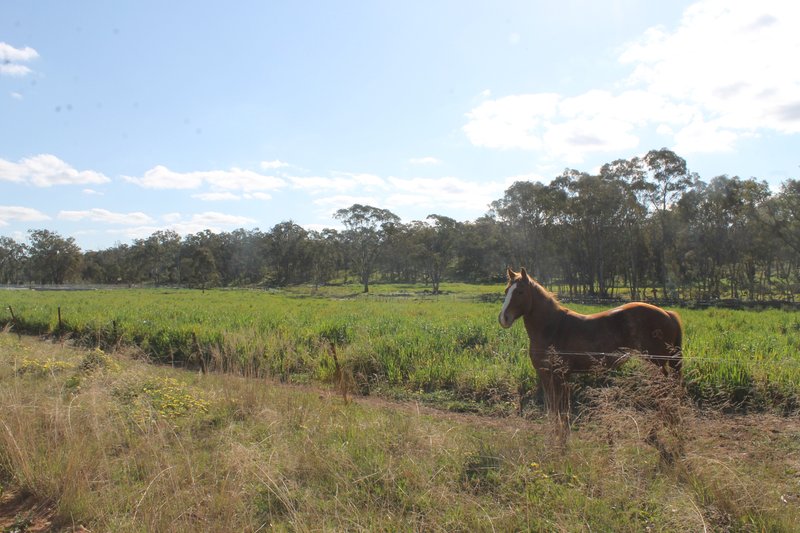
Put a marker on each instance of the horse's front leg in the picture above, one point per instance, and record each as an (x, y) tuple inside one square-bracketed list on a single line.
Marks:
[(552, 389)]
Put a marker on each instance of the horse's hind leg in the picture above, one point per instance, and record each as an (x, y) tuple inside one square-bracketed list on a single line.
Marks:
[(677, 363)]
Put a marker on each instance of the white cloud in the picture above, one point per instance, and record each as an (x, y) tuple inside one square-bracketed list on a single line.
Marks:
[(46, 170), (734, 62), (569, 127), (339, 182), (702, 136), (257, 196), (728, 70), (407, 197), (92, 192), (429, 160), (9, 54), (452, 192), (15, 95), (322, 227), (10, 59), (511, 122), (332, 203), (271, 165), (210, 220), (229, 196), (216, 196), (106, 217), (541, 178), (25, 214), (514, 38), (216, 219), (235, 179), (160, 177)]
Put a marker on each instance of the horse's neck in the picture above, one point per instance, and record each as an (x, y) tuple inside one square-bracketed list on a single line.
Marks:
[(544, 317)]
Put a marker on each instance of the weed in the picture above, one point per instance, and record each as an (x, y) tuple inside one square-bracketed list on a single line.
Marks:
[(42, 368)]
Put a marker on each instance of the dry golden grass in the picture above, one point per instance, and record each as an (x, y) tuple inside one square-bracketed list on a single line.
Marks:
[(114, 444)]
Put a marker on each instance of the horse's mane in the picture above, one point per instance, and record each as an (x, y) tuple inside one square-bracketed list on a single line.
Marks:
[(544, 294)]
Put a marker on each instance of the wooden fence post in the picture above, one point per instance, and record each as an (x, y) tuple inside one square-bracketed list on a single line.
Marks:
[(14, 323)]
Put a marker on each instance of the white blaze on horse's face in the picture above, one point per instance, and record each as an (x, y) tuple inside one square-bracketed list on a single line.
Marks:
[(504, 321)]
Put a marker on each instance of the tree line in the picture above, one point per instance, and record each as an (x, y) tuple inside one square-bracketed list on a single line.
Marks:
[(645, 226)]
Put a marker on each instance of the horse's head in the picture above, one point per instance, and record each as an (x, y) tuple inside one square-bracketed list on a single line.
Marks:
[(519, 298)]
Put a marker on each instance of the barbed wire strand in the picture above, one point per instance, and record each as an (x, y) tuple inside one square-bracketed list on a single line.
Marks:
[(654, 357)]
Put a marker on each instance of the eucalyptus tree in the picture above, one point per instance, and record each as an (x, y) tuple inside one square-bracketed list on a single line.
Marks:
[(202, 257), (594, 211), (367, 229), (436, 238), (666, 178), (531, 210), (323, 255), (721, 244), (782, 214), (12, 260), (241, 256), (403, 257), (112, 265), (158, 257), (288, 253), (635, 245), (481, 250), (51, 257)]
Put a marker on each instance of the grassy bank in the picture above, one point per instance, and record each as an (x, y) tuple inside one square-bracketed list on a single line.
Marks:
[(114, 444)]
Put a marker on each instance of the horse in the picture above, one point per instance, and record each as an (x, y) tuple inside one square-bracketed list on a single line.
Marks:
[(584, 343)]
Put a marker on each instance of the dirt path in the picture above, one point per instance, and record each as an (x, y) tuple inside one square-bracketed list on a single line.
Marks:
[(24, 513)]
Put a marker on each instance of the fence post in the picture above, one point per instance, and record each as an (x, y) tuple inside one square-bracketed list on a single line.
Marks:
[(60, 324), (14, 323)]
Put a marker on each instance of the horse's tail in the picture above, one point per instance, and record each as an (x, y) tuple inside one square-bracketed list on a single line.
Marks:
[(677, 345)]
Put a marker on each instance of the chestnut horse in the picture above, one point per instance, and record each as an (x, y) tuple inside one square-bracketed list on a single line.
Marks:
[(584, 342)]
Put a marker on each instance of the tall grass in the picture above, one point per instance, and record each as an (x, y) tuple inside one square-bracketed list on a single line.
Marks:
[(448, 346), (115, 444)]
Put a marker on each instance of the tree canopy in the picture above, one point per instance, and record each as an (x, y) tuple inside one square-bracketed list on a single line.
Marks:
[(647, 226)]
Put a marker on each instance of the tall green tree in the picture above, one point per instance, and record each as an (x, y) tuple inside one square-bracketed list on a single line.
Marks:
[(634, 244), (595, 211), (323, 255), (52, 258), (530, 209), (367, 229), (12, 260), (481, 251), (666, 179), (782, 214), (288, 253), (437, 238), (157, 259)]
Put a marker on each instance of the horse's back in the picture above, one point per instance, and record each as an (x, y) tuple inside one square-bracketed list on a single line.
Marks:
[(642, 326), (655, 332)]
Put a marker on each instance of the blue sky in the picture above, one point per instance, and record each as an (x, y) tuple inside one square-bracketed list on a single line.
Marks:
[(118, 119)]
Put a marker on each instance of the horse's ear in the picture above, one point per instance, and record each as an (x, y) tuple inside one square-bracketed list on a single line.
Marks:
[(524, 274), (511, 274)]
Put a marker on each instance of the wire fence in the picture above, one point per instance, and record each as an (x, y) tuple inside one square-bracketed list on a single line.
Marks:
[(653, 357)]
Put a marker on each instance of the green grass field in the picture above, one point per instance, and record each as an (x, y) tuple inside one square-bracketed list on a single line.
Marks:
[(397, 341)]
